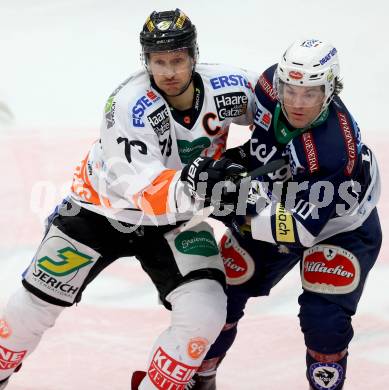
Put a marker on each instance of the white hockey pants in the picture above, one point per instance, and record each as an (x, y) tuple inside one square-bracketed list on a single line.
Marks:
[(198, 315)]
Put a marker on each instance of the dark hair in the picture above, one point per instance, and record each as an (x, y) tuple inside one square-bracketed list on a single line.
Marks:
[(338, 86)]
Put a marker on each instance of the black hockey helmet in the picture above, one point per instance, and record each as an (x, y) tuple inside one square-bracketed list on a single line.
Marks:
[(168, 30)]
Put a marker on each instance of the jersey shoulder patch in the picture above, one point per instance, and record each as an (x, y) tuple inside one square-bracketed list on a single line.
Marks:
[(220, 77), (264, 89), (330, 147)]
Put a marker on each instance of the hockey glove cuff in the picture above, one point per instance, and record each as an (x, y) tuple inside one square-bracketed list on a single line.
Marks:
[(206, 178)]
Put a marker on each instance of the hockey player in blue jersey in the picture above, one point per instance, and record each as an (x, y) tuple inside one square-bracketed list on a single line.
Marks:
[(319, 210)]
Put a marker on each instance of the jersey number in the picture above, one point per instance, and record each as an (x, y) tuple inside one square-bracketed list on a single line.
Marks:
[(166, 146), (139, 145)]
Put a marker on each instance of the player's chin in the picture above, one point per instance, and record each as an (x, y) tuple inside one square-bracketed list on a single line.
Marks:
[(173, 90), (298, 122)]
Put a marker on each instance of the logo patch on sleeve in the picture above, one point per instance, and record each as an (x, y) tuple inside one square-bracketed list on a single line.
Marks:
[(262, 115), (329, 269), (284, 225), (326, 376), (238, 264)]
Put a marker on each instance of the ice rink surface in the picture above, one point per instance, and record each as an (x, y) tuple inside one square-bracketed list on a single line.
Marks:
[(60, 61)]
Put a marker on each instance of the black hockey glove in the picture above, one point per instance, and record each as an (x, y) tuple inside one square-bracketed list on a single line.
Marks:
[(207, 179), (239, 154)]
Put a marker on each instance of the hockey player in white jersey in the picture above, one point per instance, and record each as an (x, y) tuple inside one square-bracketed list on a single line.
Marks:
[(128, 197)]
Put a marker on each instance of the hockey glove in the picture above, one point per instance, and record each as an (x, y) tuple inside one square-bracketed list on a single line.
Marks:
[(239, 154), (207, 179), (258, 197)]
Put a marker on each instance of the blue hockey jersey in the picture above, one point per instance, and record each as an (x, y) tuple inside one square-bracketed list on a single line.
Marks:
[(330, 183)]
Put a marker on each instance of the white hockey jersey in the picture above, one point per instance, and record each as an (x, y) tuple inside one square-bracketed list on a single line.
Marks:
[(132, 172)]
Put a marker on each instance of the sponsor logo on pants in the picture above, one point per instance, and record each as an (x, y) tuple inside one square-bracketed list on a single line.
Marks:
[(10, 359), (5, 330), (329, 269), (166, 373), (197, 347), (238, 264)]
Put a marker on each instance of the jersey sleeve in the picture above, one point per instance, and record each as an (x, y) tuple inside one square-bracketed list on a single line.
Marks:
[(306, 206), (327, 182), (135, 173)]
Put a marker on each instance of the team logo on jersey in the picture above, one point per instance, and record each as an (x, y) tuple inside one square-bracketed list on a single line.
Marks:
[(197, 347), (189, 150), (167, 373), (329, 269), (231, 105), (159, 120), (262, 115), (141, 105), (196, 243), (5, 330), (10, 359), (238, 264), (326, 376)]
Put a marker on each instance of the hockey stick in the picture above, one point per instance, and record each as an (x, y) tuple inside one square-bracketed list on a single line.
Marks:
[(260, 171), (204, 213)]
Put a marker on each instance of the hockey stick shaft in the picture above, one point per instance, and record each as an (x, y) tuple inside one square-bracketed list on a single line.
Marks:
[(263, 170)]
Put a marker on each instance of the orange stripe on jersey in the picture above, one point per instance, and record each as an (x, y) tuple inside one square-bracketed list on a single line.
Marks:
[(221, 147), (153, 199), (82, 186), (219, 151)]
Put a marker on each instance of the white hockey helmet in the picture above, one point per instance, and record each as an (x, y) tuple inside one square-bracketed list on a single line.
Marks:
[(309, 62)]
